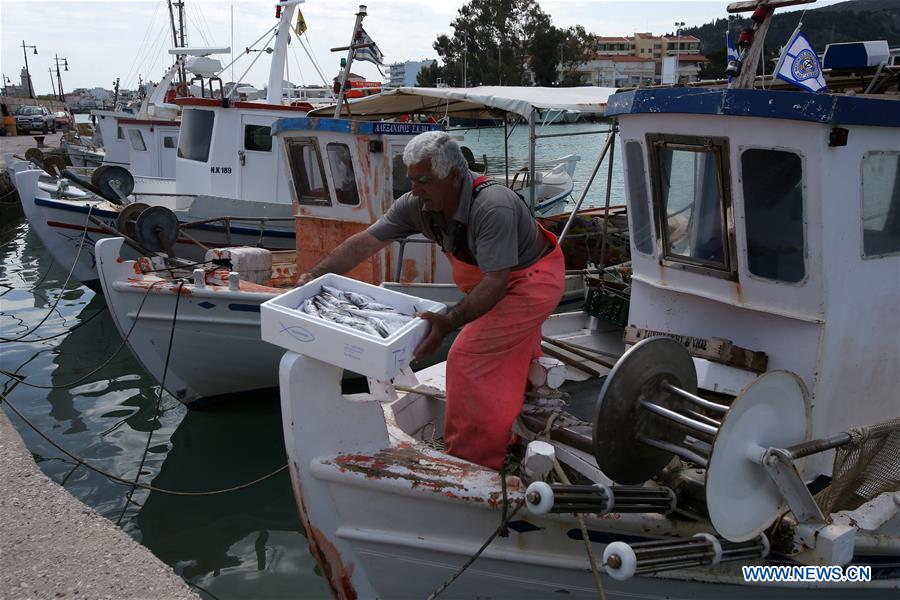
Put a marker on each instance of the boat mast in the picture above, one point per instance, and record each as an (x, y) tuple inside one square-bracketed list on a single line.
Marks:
[(284, 11), (351, 50), (750, 43)]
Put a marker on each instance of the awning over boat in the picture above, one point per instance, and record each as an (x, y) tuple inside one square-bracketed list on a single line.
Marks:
[(483, 102)]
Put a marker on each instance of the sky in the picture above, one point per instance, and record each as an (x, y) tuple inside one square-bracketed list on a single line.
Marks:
[(102, 40)]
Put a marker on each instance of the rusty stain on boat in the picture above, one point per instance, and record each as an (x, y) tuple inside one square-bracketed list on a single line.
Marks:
[(338, 575), (449, 477)]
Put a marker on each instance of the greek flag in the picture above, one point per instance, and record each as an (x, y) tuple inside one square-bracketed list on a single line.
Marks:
[(372, 53), (799, 64), (730, 51)]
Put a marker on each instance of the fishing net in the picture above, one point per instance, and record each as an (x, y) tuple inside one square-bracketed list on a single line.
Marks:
[(864, 468)]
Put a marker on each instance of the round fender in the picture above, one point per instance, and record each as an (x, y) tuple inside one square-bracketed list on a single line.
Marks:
[(627, 563)]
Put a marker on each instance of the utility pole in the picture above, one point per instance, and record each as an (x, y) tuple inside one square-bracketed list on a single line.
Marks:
[(27, 72), (59, 77), (52, 84), (678, 26)]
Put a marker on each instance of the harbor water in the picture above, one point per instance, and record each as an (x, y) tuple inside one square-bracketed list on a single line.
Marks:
[(82, 388)]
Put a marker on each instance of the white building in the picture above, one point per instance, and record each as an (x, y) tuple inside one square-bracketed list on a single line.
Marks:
[(404, 74), (618, 70)]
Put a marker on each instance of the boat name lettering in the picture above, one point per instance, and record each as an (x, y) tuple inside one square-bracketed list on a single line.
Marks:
[(220, 170), (401, 128)]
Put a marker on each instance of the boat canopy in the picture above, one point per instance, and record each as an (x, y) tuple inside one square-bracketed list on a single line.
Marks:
[(482, 102)]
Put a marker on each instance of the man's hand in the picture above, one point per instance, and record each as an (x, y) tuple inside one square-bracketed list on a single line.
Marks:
[(440, 327), (305, 278)]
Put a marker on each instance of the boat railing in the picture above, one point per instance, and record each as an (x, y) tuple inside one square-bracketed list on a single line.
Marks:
[(228, 220)]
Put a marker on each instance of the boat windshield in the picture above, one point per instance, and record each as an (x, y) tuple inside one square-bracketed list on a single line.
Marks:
[(195, 134), (691, 202)]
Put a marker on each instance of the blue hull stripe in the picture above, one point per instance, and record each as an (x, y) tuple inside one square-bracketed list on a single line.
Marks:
[(828, 109), (97, 212)]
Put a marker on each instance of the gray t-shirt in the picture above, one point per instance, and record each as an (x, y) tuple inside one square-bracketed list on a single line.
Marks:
[(501, 232)]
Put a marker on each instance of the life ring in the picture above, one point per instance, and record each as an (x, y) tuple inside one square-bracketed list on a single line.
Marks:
[(182, 89)]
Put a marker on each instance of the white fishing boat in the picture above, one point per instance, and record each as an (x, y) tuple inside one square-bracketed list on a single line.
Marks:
[(762, 333), (219, 197)]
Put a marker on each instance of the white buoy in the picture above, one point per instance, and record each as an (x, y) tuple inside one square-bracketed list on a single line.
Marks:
[(233, 281)]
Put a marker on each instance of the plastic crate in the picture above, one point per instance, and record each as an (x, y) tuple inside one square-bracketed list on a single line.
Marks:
[(285, 325), (607, 304)]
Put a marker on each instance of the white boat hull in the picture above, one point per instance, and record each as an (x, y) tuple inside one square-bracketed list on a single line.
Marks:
[(216, 349)]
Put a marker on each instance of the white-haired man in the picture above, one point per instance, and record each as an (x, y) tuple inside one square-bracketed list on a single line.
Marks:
[(510, 268)]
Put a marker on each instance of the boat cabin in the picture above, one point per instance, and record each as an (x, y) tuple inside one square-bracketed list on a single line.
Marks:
[(226, 150), (343, 176), (771, 219), (152, 144)]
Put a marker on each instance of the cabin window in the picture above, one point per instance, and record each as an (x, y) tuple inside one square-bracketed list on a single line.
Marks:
[(195, 134), (692, 201), (120, 133), (881, 203), (773, 212), (168, 142), (137, 140), (639, 200), (308, 172), (342, 175), (258, 138), (399, 179)]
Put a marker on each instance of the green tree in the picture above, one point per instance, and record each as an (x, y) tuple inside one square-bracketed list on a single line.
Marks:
[(492, 41), (428, 76)]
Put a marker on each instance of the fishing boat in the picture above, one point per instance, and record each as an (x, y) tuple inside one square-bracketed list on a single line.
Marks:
[(760, 336), (218, 197)]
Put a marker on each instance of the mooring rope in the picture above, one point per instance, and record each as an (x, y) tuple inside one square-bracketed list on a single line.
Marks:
[(78, 325), (64, 285), (519, 504), (162, 387), (128, 482), (21, 378)]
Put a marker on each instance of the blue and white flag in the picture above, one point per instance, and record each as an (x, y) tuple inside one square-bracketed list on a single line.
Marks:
[(799, 64), (730, 51), (371, 54)]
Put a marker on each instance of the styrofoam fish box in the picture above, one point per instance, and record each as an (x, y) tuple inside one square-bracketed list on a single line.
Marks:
[(285, 324), (252, 264)]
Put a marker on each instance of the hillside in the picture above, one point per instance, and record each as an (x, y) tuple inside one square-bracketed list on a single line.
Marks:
[(843, 22)]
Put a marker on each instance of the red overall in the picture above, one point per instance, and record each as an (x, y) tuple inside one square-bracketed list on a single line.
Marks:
[(487, 366)]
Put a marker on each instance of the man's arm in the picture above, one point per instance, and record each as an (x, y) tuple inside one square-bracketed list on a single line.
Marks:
[(483, 297), (352, 251)]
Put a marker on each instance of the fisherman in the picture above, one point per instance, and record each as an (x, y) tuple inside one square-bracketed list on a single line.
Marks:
[(510, 268)]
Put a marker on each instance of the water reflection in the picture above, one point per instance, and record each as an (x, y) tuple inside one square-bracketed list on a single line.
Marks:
[(225, 542)]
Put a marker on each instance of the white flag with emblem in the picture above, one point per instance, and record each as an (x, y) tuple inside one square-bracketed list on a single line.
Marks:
[(799, 64)]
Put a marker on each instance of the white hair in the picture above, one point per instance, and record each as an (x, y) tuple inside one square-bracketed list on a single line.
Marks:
[(438, 146)]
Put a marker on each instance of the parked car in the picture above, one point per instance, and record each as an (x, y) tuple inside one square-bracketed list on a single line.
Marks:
[(35, 117), (63, 119)]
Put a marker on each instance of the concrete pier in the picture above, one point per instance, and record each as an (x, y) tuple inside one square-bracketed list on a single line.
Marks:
[(53, 546)]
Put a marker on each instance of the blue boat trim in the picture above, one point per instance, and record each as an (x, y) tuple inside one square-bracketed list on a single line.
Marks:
[(355, 127), (822, 108), (244, 307), (207, 305), (69, 206)]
